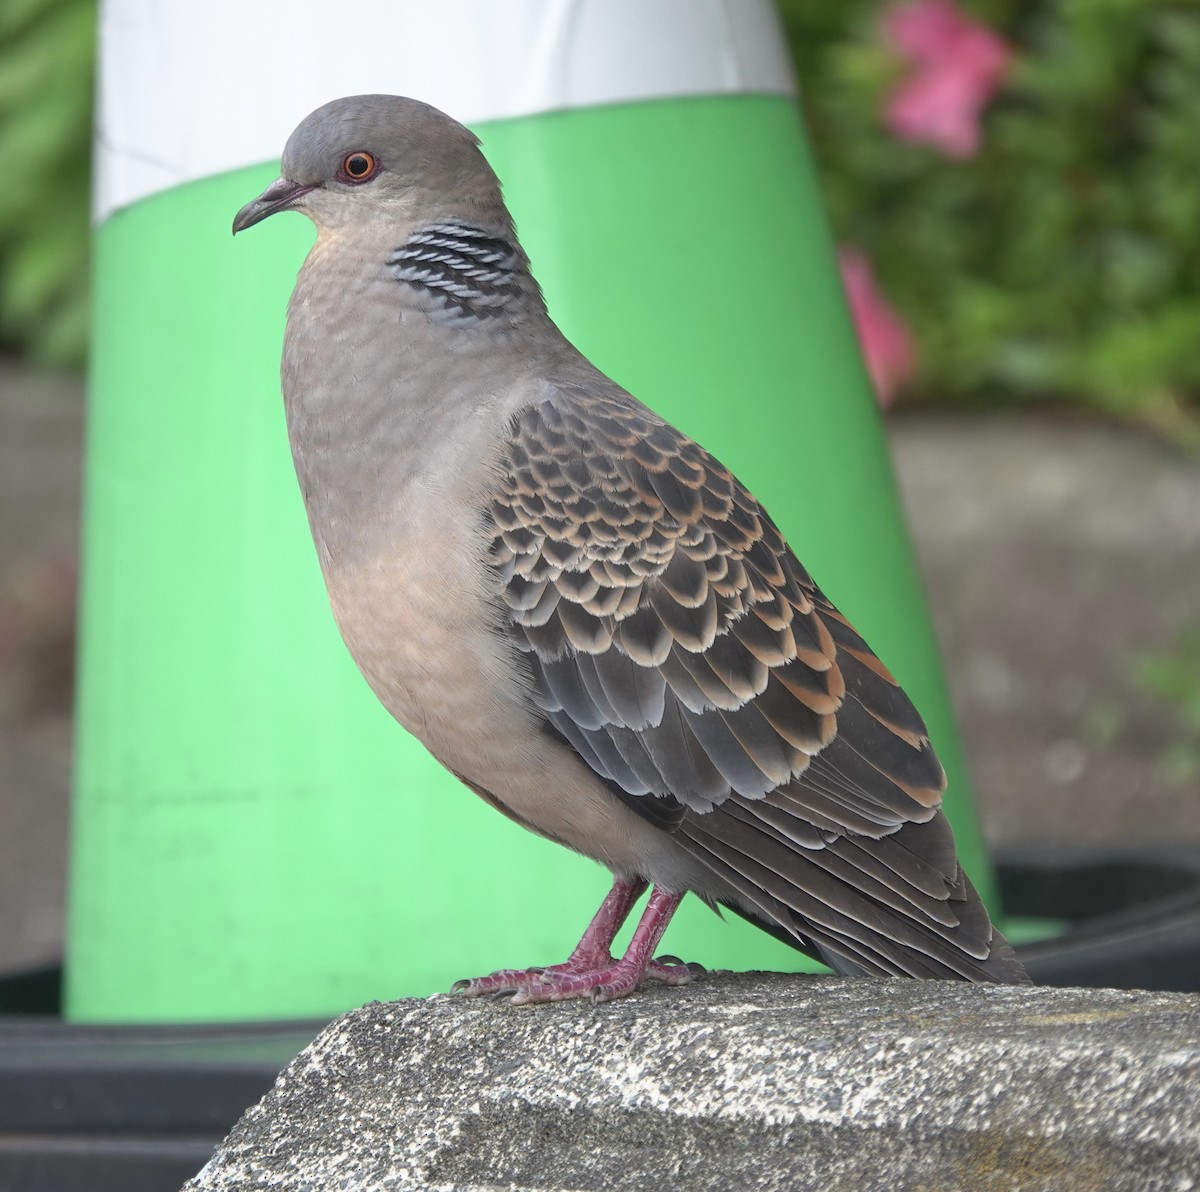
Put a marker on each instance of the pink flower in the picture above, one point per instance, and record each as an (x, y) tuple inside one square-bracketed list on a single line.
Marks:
[(957, 67), (886, 343)]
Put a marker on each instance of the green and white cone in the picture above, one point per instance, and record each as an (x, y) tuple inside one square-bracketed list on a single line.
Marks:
[(254, 836)]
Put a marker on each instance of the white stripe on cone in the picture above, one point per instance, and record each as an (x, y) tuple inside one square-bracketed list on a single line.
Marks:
[(191, 88)]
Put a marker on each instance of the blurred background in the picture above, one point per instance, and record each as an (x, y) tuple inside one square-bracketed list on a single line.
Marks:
[(1014, 189)]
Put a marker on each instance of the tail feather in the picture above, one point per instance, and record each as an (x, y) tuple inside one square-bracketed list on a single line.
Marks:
[(844, 915)]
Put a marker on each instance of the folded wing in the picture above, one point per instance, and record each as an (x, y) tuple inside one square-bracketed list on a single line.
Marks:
[(681, 649)]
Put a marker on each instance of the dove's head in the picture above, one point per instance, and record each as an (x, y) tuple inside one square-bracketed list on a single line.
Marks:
[(379, 157)]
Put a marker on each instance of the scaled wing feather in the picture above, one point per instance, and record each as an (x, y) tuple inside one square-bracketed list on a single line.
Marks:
[(681, 649)]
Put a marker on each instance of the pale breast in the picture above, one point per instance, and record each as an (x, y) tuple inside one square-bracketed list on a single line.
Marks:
[(420, 619)]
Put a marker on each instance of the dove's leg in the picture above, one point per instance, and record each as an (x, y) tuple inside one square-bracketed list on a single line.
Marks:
[(591, 969), (593, 950)]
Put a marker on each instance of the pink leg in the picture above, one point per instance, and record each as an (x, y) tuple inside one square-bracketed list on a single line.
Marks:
[(591, 969), (593, 949)]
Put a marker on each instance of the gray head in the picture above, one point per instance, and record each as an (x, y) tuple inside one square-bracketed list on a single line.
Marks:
[(380, 157)]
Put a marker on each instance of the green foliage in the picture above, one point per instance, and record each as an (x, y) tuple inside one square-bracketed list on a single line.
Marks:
[(1063, 261), (45, 145)]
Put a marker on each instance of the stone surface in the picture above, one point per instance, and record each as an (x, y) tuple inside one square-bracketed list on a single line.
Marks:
[(40, 427), (1058, 556), (752, 1080)]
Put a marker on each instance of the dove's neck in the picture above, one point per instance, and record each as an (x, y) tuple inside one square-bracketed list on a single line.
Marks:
[(404, 361), (466, 275)]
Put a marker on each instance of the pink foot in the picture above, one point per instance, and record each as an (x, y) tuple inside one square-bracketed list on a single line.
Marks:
[(602, 982), (591, 971)]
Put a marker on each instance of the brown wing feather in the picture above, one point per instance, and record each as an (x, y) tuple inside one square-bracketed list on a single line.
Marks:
[(681, 648), (642, 578)]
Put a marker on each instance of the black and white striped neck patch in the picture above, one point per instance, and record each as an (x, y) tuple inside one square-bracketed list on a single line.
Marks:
[(470, 271)]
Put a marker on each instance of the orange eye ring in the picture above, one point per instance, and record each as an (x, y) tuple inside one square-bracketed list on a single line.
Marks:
[(359, 166)]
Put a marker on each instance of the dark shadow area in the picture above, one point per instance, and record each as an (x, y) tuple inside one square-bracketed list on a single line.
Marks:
[(1134, 915)]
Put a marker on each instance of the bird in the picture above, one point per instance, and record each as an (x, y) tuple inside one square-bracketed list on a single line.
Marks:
[(576, 608)]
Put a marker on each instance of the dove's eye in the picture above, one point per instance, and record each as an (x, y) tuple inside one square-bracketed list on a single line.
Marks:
[(358, 167)]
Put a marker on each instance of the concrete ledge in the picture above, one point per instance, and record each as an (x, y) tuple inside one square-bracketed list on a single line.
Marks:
[(746, 1080)]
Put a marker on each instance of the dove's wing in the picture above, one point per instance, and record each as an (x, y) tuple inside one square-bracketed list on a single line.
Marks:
[(681, 649)]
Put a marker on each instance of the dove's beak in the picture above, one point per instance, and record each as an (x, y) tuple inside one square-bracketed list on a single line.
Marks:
[(279, 196)]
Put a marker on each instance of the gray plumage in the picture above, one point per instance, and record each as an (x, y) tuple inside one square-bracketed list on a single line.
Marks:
[(576, 608)]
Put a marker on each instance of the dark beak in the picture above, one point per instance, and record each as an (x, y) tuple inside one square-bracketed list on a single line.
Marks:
[(279, 196)]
